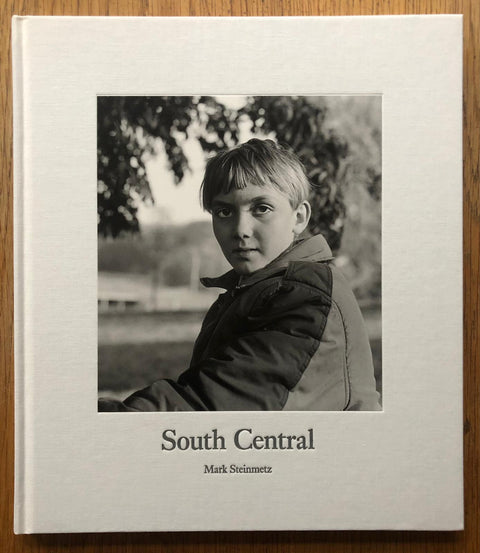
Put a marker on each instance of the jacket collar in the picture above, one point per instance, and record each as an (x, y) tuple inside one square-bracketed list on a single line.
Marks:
[(308, 249)]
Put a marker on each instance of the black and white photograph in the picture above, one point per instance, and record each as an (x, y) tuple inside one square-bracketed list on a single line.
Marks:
[(239, 253)]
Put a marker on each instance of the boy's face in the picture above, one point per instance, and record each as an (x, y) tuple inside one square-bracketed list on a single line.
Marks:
[(254, 225)]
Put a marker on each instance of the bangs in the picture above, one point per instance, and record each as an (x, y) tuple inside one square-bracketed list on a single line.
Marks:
[(226, 172)]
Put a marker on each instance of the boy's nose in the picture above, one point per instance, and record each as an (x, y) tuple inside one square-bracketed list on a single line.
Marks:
[(243, 226)]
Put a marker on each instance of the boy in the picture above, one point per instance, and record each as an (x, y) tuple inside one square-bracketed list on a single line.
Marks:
[(287, 334)]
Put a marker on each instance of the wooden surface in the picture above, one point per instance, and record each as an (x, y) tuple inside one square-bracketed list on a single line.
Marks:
[(331, 542)]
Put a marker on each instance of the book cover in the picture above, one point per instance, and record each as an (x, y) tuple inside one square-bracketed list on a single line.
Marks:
[(315, 163)]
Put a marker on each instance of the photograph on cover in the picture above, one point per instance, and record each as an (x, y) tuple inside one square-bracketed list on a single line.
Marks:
[(239, 253)]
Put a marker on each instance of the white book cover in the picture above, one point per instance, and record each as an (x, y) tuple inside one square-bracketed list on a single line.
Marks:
[(315, 162)]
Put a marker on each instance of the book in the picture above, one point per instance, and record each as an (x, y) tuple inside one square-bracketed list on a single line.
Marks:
[(114, 119)]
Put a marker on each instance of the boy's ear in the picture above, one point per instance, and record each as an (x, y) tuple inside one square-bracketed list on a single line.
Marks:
[(302, 216)]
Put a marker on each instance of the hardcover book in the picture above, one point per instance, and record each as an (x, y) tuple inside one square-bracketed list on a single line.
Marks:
[(238, 273)]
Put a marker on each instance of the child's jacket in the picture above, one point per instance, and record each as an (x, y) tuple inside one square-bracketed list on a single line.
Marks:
[(287, 337)]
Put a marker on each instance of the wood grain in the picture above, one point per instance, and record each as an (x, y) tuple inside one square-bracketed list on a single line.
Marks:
[(236, 542)]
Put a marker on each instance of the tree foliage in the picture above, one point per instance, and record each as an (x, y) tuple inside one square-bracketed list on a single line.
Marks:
[(130, 128)]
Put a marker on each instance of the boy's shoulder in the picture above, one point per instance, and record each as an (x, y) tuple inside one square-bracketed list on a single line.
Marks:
[(324, 276), (315, 274), (305, 280), (297, 283)]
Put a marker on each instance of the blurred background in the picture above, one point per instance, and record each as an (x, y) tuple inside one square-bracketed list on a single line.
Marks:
[(155, 241)]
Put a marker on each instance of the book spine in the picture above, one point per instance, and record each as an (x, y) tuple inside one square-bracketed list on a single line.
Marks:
[(19, 272)]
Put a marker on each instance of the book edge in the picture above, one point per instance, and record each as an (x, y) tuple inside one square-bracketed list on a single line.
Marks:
[(18, 184)]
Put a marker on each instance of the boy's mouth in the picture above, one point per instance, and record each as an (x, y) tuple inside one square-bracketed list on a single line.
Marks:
[(244, 252)]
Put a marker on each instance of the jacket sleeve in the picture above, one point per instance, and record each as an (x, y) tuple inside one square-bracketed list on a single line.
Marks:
[(254, 369)]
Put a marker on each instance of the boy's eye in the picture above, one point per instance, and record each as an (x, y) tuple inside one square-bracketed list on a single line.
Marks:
[(223, 212), (261, 209)]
